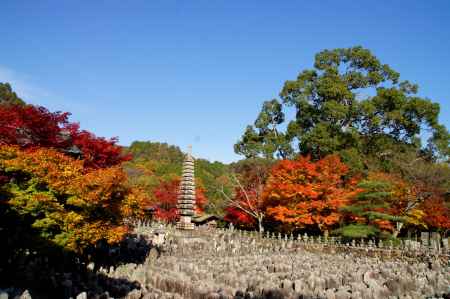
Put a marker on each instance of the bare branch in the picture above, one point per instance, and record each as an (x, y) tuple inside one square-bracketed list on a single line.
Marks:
[(247, 198)]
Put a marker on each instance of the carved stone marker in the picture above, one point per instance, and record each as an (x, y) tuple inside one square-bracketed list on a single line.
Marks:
[(446, 243), (425, 238)]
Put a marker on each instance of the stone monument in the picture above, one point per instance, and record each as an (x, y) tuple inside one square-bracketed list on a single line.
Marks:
[(186, 195)]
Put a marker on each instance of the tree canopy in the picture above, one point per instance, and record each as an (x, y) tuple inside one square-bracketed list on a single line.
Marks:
[(65, 204), (31, 126), (8, 96), (265, 138), (63, 193), (349, 102), (306, 194), (355, 109)]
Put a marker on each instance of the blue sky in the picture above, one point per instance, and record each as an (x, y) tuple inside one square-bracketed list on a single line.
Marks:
[(196, 72)]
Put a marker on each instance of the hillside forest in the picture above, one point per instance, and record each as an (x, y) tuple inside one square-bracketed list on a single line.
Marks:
[(364, 156)]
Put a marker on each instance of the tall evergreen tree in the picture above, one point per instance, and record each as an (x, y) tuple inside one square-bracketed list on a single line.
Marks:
[(332, 115)]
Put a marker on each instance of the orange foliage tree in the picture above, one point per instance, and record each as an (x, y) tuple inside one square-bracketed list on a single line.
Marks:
[(306, 194), (65, 204)]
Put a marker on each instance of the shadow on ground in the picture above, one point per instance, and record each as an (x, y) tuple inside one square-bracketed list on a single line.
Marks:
[(30, 262)]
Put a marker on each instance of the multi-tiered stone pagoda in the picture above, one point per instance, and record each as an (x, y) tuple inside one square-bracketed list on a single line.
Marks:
[(186, 195)]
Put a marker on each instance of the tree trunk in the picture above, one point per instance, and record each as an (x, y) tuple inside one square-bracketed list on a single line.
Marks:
[(260, 226), (398, 229)]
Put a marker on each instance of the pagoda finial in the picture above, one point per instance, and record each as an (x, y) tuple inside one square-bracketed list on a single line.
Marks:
[(190, 149)]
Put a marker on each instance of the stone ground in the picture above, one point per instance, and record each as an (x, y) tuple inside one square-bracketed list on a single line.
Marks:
[(224, 264), (219, 264)]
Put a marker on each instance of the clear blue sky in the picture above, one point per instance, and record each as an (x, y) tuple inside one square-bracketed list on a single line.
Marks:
[(196, 72)]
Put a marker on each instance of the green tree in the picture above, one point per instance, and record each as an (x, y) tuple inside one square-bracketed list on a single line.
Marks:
[(353, 104), (366, 208), (8, 96), (213, 176), (264, 138)]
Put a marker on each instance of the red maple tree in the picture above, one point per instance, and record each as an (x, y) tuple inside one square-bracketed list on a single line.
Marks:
[(30, 126), (34, 126), (437, 214), (245, 207)]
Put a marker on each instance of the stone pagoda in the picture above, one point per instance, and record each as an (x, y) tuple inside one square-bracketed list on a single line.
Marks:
[(186, 195)]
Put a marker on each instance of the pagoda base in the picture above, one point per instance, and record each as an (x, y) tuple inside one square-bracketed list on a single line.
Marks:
[(185, 223), (185, 226)]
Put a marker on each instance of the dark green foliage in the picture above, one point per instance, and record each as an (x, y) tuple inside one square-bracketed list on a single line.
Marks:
[(8, 96), (213, 176), (354, 231), (374, 197), (348, 103), (264, 138), (371, 205)]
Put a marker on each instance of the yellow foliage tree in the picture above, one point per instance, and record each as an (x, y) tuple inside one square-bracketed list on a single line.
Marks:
[(67, 204)]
